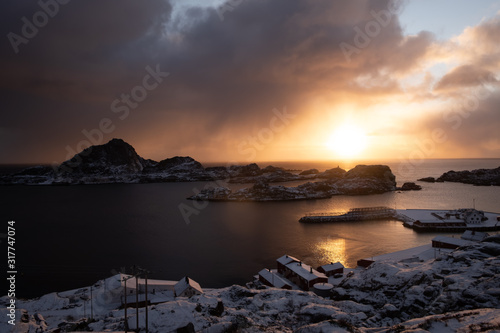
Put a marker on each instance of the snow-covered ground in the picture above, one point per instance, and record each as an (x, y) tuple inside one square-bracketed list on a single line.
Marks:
[(457, 292)]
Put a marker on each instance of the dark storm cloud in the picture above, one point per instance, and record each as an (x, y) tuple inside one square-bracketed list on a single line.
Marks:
[(225, 76)]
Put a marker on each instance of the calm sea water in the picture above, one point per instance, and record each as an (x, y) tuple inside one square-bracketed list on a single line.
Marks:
[(72, 236)]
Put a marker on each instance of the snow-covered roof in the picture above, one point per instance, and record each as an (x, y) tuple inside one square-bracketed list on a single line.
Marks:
[(273, 279), (185, 283), (421, 252), (437, 221), (474, 235), (305, 271), (158, 282), (131, 283), (286, 259), (452, 241), (332, 266)]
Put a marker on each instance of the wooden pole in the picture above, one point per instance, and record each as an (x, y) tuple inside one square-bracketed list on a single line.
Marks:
[(137, 302), (125, 302), (146, 299), (91, 305)]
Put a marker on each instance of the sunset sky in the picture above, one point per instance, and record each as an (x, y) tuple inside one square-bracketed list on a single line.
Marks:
[(251, 80)]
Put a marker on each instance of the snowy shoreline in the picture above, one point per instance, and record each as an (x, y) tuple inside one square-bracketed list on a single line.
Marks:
[(460, 289)]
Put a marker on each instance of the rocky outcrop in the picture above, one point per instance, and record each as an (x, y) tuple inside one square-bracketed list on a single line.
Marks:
[(335, 173), (409, 187), (363, 179), (253, 174), (427, 179), (481, 177), (309, 172)]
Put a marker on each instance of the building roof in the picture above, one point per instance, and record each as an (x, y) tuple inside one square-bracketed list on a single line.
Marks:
[(273, 279), (421, 252), (305, 271), (332, 266), (452, 241), (474, 235), (286, 259), (151, 283), (437, 221), (184, 284)]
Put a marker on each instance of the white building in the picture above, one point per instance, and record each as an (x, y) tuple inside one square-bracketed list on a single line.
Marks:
[(187, 287)]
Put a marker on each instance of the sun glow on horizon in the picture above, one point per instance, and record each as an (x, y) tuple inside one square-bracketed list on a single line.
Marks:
[(348, 141)]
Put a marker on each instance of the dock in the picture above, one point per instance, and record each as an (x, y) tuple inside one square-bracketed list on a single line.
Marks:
[(420, 220), (430, 220), (354, 214)]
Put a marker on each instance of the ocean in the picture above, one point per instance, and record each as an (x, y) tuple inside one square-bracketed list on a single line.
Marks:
[(71, 236)]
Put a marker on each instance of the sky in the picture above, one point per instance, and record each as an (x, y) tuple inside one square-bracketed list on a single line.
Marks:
[(251, 80)]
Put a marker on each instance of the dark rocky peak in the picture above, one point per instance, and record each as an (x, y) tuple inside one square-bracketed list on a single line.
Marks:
[(309, 172), (333, 173), (371, 171), (245, 170), (271, 168), (114, 157), (178, 162)]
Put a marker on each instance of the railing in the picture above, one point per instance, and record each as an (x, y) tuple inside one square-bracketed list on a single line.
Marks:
[(355, 214)]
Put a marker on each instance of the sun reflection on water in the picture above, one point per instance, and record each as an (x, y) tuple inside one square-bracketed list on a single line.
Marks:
[(332, 250)]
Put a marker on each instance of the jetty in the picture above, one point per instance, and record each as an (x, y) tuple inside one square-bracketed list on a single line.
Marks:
[(354, 214), (458, 220), (420, 220)]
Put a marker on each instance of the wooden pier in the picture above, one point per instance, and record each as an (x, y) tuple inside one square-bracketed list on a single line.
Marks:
[(354, 214)]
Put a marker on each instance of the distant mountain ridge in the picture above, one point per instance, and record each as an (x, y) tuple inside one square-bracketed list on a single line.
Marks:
[(117, 162), (113, 162)]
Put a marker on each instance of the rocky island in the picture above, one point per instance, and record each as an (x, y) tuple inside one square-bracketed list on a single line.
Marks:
[(118, 162), (362, 179), (479, 177), (113, 162)]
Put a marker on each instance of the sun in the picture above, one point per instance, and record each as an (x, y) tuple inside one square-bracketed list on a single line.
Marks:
[(348, 141)]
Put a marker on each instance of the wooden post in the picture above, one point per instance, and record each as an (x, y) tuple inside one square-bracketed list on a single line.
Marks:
[(125, 302), (91, 305), (137, 302), (146, 298)]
